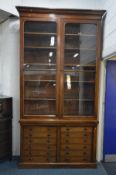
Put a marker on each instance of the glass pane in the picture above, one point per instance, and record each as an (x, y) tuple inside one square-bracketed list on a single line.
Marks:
[(79, 69), (41, 86), (39, 107), (40, 68), (40, 26), (40, 40), (48, 56)]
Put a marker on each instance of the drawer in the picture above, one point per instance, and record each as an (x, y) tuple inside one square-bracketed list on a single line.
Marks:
[(39, 159), (75, 153), (43, 141), (76, 134), (75, 147), (5, 125), (75, 140), (75, 159), (5, 154), (6, 107), (5, 135), (4, 147), (76, 129), (37, 152), (40, 146), (39, 132)]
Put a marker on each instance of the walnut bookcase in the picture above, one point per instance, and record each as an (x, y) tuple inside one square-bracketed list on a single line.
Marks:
[(59, 78)]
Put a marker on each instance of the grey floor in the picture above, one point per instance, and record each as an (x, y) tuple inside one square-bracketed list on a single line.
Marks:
[(10, 168), (110, 168)]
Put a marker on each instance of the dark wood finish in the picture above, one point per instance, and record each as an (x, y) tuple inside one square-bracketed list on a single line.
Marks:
[(60, 51), (5, 127), (95, 14)]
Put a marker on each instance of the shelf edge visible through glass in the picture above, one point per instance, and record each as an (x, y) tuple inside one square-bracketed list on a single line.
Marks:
[(37, 99), (76, 70), (40, 69), (40, 64), (77, 48), (80, 65), (38, 33), (79, 34), (55, 81), (78, 99), (38, 47), (39, 80)]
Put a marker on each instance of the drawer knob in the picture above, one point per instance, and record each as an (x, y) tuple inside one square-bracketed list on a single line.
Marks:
[(67, 141), (30, 158), (67, 147), (67, 129)]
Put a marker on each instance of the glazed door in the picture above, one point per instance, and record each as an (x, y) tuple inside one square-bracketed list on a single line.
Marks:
[(79, 69), (39, 68)]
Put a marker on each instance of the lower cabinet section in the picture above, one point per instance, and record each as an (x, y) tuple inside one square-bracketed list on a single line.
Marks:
[(76, 144), (39, 144), (58, 145)]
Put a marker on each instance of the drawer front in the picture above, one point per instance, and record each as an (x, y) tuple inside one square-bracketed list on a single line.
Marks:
[(39, 144), (5, 149), (6, 107), (76, 129), (39, 159), (76, 139), (5, 125), (76, 144), (40, 132)]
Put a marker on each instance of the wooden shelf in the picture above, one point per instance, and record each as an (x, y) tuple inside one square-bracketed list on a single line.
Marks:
[(39, 80), (44, 47), (38, 33), (66, 34), (28, 69), (77, 70), (79, 49), (81, 82), (37, 99), (79, 65), (38, 47), (39, 64), (80, 34), (72, 99), (50, 81)]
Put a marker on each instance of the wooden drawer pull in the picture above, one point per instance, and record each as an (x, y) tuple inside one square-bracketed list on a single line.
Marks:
[(67, 134), (67, 129), (30, 158)]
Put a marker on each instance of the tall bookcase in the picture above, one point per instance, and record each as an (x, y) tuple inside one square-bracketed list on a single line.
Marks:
[(60, 53)]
